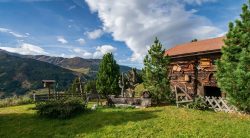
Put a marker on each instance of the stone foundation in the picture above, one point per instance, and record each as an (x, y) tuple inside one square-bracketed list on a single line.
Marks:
[(144, 102)]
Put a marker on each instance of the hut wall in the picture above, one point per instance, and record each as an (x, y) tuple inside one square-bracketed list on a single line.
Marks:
[(194, 72)]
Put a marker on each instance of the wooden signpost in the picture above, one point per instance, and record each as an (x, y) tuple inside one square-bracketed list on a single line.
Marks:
[(48, 84)]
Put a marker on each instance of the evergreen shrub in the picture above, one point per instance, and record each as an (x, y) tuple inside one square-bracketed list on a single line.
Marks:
[(61, 109)]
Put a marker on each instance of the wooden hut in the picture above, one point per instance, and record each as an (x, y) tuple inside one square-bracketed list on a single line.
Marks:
[(193, 66)]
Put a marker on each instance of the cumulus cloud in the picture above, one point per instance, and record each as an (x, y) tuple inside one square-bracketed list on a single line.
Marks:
[(94, 34), (98, 53), (15, 34), (81, 41), (62, 40), (137, 22), (26, 49), (101, 50)]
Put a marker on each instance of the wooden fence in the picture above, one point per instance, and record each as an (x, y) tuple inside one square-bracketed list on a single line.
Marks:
[(182, 96), (45, 97), (219, 104)]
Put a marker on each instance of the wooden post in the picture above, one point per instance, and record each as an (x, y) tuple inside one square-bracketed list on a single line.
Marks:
[(49, 90), (176, 96), (122, 84), (34, 96), (80, 85), (48, 83), (223, 94), (196, 72)]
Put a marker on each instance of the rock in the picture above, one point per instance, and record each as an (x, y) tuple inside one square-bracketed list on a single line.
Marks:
[(94, 107)]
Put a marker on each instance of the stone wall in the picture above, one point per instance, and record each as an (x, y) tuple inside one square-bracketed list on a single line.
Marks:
[(145, 102)]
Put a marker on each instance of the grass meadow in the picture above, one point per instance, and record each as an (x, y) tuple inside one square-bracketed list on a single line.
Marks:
[(165, 121)]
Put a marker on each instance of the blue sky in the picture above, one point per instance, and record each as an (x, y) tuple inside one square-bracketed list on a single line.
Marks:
[(90, 28)]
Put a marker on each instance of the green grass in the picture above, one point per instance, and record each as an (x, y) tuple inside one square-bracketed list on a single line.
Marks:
[(39, 91), (14, 101), (168, 121), (81, 70)]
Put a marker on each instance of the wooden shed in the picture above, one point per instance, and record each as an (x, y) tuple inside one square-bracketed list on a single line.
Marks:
[(193, 66)]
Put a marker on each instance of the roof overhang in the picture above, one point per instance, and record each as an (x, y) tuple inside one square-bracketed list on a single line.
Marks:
[(217, 51)]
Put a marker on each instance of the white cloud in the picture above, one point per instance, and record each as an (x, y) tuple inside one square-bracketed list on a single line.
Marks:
[(137, 22), (26, 49), (106, 49), (4, 30), (98, 53), (62, 55), (199, 2), (101, 50), (72, 7), (81, 41), (62, 40), (222, 34), (82, 53), (15, 34), (94, 34)]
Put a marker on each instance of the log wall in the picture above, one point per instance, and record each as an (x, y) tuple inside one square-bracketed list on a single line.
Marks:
[(194, 72)]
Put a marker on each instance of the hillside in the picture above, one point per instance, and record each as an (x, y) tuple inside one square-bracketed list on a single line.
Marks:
[(21, 73), (77, 64), (74, 63), (18, 75)]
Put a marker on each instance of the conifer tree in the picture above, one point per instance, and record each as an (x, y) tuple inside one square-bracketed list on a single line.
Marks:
[(108, 76), (155, 73), (233, 69), (90, 86)]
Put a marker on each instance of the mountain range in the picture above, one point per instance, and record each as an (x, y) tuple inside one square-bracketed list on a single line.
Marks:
[(22, 73)]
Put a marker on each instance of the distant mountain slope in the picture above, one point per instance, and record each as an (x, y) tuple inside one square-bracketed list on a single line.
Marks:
[(75, 63), (18, 75)]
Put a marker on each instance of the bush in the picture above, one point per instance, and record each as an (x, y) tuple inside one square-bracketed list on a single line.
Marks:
[(139, 89), (198, 104), (12, 101), (62, 109)]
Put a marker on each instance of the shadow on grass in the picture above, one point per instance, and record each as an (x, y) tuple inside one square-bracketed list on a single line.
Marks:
[(30, 125)]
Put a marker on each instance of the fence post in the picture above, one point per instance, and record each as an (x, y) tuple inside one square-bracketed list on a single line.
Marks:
[(34, 96)]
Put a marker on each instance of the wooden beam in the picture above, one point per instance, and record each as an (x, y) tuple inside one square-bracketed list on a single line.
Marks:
[(195, 54)]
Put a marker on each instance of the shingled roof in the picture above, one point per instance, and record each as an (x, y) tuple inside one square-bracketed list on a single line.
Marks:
[(208, 45)]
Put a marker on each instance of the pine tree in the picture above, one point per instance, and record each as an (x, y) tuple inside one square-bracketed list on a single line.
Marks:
[(155, 73), (233, 69), (108, 76), (90, 87)]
